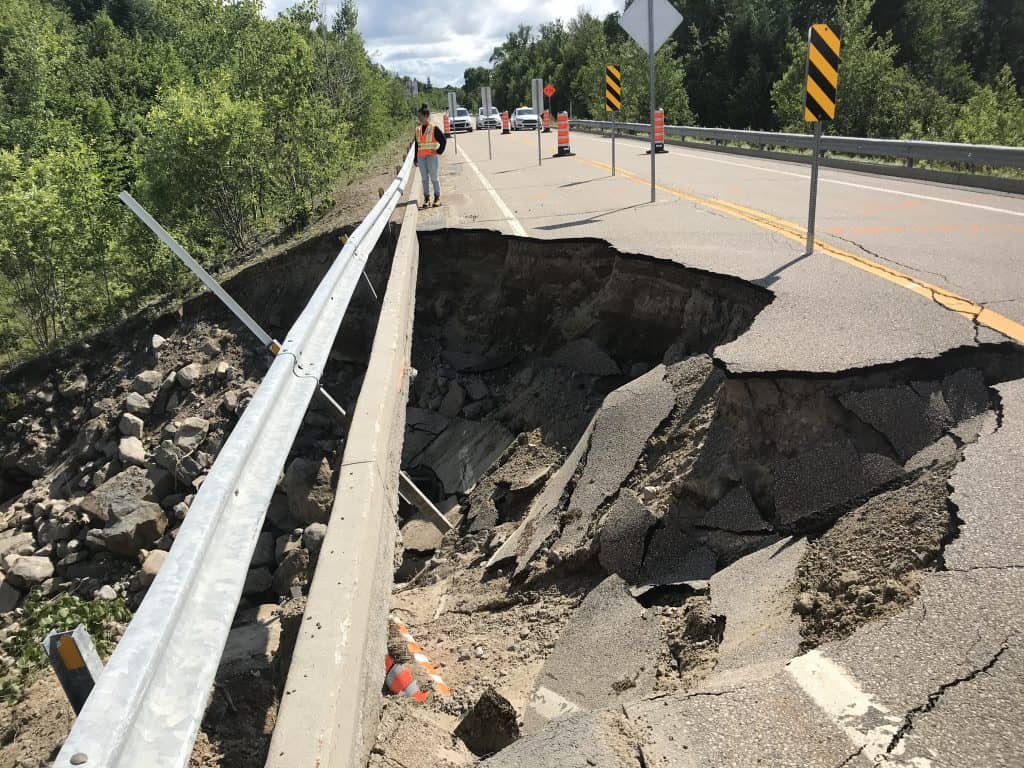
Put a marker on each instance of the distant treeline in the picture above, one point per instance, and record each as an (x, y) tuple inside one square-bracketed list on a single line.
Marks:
[(226, 125), (929, 69)]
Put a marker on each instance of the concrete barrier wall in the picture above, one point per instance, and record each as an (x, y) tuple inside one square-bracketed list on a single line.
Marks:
[(331, 702)]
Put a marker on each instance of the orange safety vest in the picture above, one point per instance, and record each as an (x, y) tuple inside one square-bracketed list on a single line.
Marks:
[(426, 142)]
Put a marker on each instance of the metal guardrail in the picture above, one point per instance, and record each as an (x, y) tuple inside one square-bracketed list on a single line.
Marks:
[(977, 155), (148, 704)]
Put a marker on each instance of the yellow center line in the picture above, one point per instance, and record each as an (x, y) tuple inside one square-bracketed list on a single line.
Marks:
[(971, 310), (941, 296)]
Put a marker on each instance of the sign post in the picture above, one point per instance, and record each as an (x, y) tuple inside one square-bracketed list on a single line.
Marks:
[(451, 114), (485, 100), (613, 99), (538, 107), (823, 46), (651, 23)]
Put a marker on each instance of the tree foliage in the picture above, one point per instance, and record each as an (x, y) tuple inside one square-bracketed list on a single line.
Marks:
[(227, 125), (935, 69)]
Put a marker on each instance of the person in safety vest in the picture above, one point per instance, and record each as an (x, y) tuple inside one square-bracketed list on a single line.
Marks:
[(430, 143)]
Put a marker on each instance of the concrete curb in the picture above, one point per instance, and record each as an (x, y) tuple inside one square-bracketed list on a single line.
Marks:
[(331, 703)]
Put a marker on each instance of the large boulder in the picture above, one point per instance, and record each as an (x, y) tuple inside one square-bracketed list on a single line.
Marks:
[(146, 382), (308, 487), (15, 542), (135, 528), (28, 572), (191, 433), (125, 488)]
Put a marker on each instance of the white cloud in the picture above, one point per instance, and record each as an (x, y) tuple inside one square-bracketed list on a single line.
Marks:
[(440, 39)]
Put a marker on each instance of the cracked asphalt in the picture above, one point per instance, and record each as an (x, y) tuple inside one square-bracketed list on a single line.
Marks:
[(940, 685)]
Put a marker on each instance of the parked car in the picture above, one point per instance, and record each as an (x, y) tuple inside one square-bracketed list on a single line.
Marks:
[(524, 119), (461, 121), (483, 122)]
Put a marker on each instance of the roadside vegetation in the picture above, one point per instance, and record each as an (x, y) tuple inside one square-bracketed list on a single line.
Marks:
[(228, 126), (946, 70)]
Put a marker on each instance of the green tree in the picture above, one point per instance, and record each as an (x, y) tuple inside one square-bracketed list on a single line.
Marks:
[(994, 115)]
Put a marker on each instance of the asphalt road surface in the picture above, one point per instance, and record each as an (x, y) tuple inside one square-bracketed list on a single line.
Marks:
[(904, 270)]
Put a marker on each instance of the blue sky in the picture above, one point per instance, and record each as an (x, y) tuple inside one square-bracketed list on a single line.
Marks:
[(441, 38)]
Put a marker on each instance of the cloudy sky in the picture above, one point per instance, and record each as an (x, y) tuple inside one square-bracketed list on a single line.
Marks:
[(441, 38)]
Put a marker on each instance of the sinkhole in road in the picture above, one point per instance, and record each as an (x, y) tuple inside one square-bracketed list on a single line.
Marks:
[(604, 470)]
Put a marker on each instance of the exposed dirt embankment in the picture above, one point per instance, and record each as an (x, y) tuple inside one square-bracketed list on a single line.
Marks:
[(103, 447)]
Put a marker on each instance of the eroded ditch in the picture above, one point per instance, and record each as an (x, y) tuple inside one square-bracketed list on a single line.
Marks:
[(607, 474)]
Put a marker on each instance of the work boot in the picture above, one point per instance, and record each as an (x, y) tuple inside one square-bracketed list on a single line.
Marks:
[(426, 204), (437, 201)]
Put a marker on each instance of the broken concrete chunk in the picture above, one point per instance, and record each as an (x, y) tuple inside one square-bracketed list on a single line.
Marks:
[(189, 375), (147, 381), (16, 542), (151, 566), (623, 536), (9, 597), (137, 527), (127, 487), (421, 419), (908, 420), (137, 404), (606, 654), (736, 512), (598, 740), (131, 452), (292, 572), (942, 452), (675, 555), (421, 535), (626, 420), (585, 356), (131, 425), (191, 433), (453, 401), (754, 595), (490, 725), (966, 394), (307, 484), (26, 572), (464, 452), (827, 474), (313, 537)]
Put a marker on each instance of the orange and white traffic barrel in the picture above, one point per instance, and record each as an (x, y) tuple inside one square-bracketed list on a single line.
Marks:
[(547, 121), (402, 646), (659, 131), (563, 135), (505, 126), (447, 125), (399, 680)]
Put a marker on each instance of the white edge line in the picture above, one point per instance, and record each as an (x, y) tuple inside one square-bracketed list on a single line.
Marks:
[(506, 212), (699, 154)]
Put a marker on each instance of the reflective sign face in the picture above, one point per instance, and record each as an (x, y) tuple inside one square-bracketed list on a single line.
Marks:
[(612, 88), (549, 90), (823, 47), (634, 21)]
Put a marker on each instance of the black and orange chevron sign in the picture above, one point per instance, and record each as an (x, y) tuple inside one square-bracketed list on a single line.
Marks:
[(822, 74), (613, 88)]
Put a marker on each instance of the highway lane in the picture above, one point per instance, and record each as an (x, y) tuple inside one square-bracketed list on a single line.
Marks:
[(969, 241), (740, 219)]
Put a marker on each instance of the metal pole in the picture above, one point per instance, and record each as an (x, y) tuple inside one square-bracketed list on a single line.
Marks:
[(813, 206), (613, 143), (650, 48), (539, 129), (490, 156)]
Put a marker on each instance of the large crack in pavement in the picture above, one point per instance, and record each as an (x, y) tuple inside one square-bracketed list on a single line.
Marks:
[(936, 696), (675, 524)]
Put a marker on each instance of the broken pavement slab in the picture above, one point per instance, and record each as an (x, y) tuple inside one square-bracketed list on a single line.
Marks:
[(597, 740), (623, 536), (607, 653), (988, 492), (908, 419), (769, 723), (755, 595), (623, 425), (463, 452)]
